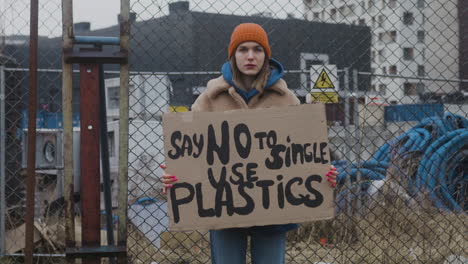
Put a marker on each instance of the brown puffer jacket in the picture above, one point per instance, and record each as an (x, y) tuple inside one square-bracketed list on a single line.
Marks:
[(220, 96)]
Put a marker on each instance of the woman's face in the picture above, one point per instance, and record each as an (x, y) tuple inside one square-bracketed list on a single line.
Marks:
[(250, 57)]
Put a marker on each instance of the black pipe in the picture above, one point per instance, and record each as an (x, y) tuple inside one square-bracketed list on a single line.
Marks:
[(105, 160)]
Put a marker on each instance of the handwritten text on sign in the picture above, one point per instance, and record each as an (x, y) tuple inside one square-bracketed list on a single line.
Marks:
[(245, 168)]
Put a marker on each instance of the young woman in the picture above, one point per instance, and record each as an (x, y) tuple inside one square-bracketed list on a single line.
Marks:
[(250, 79)]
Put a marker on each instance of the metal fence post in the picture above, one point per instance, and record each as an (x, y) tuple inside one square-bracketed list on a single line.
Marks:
[(357, 136), (123, 128), (2, 161), (67, 97), (32, 108), (348, 139)]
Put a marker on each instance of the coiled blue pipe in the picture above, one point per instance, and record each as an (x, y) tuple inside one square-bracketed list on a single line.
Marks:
[(443, 144), (433, 168)]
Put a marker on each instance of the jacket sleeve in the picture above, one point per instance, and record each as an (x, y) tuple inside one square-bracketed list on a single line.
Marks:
[(291, 98), (202, 103)]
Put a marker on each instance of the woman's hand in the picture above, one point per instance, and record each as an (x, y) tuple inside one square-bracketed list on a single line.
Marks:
[(167, 179), (331, 176)]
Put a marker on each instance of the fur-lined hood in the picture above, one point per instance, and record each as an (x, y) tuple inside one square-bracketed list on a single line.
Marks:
[(221, 96)]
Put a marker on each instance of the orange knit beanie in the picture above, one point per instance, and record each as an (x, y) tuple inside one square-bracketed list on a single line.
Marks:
[(249, 32)]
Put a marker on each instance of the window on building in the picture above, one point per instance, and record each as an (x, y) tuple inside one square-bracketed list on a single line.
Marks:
[(423, 54), (381, 55), (371, 5), (421, 70), (333, 13), (373, 55), (113, 97), (384, 70), (372, 88), (408, 18), (408, 53), (392, 3), (421, 3), (382, 89), (392, 69), (373, 22), (381, 20), (341, 11), (420, 87), (111, 143), (393, 35), (410, 89), (316, 15), (351, 10), (421, 36), (381, 34)]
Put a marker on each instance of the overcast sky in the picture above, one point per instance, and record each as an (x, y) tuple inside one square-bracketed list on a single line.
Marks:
[(14, 14)]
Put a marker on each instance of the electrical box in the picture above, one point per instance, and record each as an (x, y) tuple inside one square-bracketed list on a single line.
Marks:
[(49, 149), (49, 152)]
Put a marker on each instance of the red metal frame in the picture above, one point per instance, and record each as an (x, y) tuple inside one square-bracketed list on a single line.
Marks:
[(89, 158)]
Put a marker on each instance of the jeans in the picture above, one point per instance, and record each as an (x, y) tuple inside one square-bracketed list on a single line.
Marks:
[(228, 246)]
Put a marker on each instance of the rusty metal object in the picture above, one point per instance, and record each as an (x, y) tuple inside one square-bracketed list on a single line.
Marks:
[(32, 105), (89, 158)]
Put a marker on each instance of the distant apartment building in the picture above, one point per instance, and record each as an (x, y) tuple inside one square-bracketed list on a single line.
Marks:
[(410, 38)]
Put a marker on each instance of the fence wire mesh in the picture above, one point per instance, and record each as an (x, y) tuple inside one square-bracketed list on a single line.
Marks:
[(396, 118)]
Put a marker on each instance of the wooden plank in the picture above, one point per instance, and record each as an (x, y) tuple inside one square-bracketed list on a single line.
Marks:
[(44, 230), (15, 239)]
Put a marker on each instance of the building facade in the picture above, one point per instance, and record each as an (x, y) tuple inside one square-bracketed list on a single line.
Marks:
[(189, 41), (410, 38)]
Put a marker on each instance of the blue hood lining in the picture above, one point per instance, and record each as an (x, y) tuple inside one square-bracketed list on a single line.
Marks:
[(276, 73)]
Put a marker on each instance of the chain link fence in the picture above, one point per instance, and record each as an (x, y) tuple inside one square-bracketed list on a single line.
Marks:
[(397, 121)]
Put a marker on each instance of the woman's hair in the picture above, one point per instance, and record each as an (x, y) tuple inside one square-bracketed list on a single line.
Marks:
[(260, 80)]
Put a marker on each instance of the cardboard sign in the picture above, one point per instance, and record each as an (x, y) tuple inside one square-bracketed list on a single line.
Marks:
[(247, 167)]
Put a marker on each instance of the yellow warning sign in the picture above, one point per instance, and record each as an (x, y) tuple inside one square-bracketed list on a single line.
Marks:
[(178, 108), (323, 81), (324, 97)]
